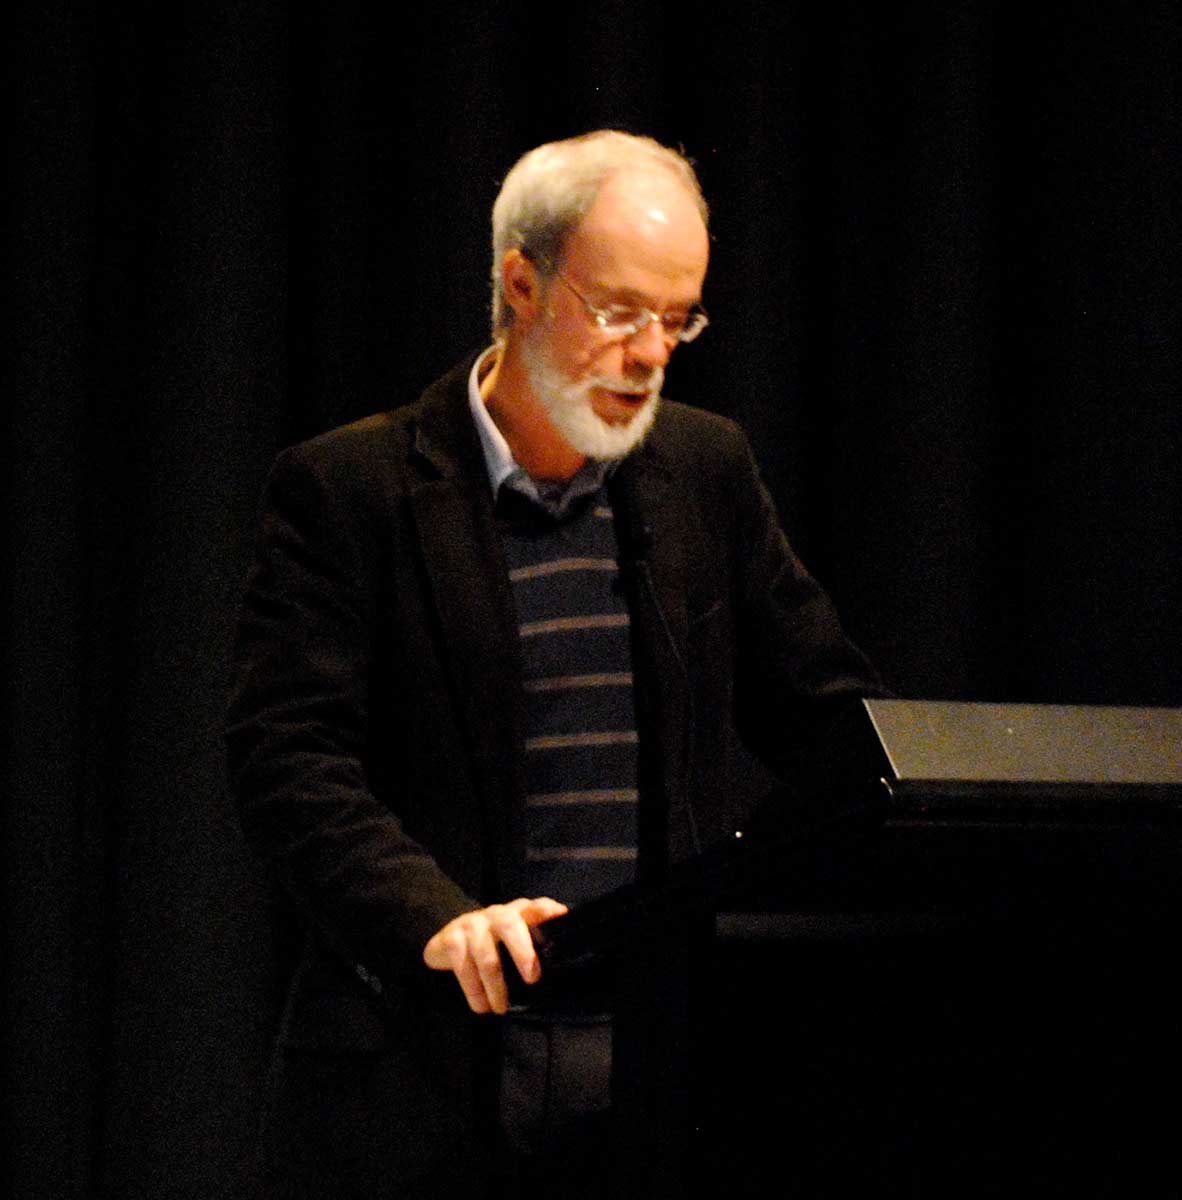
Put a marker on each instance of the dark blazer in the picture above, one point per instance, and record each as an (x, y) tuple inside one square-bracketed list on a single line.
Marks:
[(375, 730)]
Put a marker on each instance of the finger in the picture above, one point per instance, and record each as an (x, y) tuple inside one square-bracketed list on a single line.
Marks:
[(514, 931), (472, 986), (484, 955), (461, 963), (534, 912), (510, 927)]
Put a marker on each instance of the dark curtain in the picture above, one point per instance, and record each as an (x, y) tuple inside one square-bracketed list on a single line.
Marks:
[(945, 304)]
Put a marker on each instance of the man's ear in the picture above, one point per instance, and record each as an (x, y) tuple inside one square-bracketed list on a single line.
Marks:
[(522, 286)]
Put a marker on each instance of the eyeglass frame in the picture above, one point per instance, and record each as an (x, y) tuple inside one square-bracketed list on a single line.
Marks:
[(695, 318)]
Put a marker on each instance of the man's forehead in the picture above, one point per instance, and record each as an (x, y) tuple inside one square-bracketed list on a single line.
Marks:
[(652, 195), (644, 223)]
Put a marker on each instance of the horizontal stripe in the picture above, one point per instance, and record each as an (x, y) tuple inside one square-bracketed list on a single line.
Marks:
[(603, 512), (589, 796), (570, 624), (554, 566), (595, 651), (584, 853), (560, 683), (560, 741)]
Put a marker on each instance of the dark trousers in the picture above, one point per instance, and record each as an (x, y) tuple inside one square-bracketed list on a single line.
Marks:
[(596, 1108), (555, 1112), (562, 1132), (590, 1109)]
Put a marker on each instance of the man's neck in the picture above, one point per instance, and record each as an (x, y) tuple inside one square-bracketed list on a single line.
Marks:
[(523, 421)]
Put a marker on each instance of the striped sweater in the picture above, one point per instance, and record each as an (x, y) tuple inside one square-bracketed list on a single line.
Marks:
[(580, 737)]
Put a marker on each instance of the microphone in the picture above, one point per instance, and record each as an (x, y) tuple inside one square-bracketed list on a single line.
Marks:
[(635, 535)]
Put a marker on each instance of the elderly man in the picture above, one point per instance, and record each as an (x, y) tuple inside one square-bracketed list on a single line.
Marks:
[(497, 653)]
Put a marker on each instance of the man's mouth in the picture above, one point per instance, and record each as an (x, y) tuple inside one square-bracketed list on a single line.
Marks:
[(630, 402), (629, 393)]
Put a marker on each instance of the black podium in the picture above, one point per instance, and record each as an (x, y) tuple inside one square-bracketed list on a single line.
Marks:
[(979, 1000)]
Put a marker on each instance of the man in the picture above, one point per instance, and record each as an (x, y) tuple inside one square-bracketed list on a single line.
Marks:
[(495, 650)]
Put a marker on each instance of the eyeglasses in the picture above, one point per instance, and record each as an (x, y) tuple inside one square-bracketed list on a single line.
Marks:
[(627, 320)]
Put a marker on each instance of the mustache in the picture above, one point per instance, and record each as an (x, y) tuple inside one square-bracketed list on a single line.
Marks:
[(647, 384)]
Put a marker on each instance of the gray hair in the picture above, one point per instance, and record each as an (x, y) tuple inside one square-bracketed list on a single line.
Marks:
[(551, 189)]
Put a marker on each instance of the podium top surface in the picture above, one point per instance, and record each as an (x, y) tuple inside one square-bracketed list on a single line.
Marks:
[(957, 742)]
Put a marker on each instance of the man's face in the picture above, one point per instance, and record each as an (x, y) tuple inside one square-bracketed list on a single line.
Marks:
[(570, 404), (642, 243)]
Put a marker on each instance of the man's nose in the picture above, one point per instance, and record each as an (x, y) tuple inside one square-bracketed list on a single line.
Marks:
[(650, 346)]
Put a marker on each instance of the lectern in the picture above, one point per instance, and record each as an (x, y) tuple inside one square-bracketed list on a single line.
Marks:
[(981, 999), (1028, 762)]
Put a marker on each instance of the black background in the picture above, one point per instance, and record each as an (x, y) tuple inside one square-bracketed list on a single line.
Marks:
[(945, 303)]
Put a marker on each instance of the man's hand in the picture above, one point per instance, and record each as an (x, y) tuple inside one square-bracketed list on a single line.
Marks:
[(468, 944)]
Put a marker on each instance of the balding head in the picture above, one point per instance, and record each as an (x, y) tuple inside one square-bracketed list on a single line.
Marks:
[(551, 190)]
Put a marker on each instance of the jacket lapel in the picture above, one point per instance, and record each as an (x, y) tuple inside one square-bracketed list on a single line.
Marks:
[(452, 509), (653, 553)]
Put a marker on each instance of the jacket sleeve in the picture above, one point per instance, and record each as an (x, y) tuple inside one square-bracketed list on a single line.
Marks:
[(298, 724), (798, 675)]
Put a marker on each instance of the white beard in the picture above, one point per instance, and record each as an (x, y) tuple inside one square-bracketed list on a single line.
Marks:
[(568, 405)]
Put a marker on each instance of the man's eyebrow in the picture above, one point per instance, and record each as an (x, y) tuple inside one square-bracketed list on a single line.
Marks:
[(632, 297)]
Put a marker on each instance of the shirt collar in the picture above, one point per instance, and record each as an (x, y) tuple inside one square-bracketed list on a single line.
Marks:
[(498, 458), (504, 469)]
